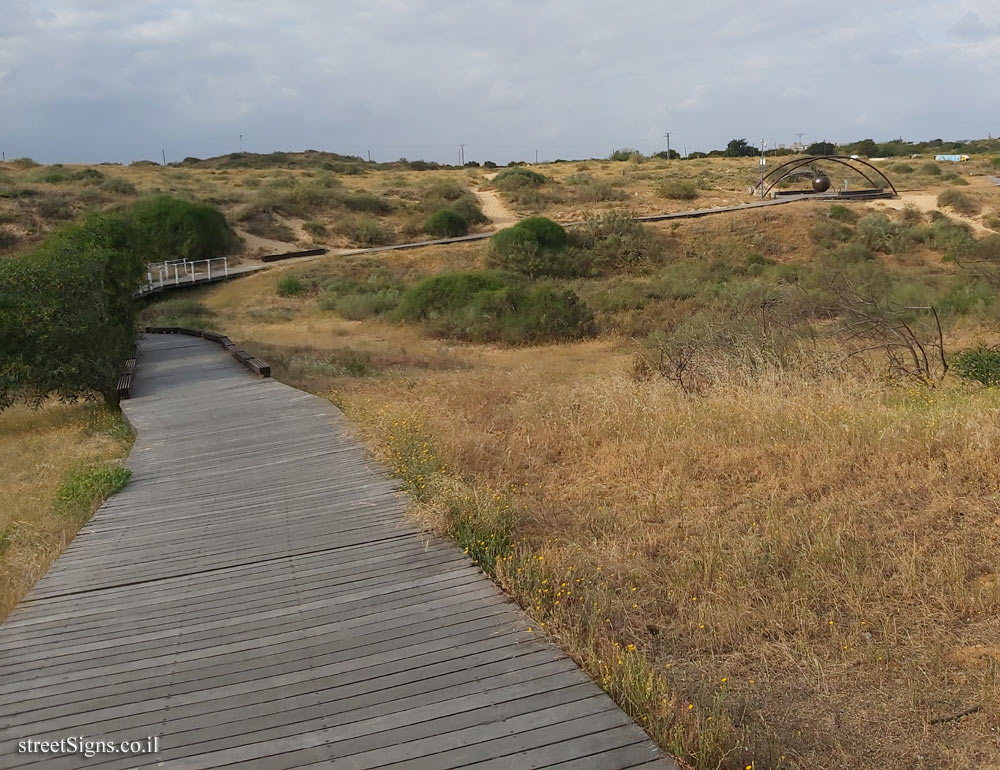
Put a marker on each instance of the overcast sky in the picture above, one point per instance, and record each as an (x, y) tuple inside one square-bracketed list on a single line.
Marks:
[(93, 80)]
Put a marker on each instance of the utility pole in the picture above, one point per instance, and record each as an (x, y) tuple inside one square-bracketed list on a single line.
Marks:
[(369, 156), (461, 155), (667, 135), (164, 153), (763, 162), (241, 144), (536, 157), (799, 135)]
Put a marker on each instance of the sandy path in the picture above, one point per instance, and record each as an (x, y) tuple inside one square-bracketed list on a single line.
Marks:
[(494, 208), (927, 202), (255, 245)]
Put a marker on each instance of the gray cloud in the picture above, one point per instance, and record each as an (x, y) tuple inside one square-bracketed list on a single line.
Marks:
[(95, 80)]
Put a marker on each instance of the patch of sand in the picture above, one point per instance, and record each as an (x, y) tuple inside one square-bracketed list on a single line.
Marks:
[(494, 208), (927, 202)]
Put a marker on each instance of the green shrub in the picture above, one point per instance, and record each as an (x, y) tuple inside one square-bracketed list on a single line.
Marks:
[(852, 254), (181, 311), (495, 307), (512, 179), (534, 246), (68, 313), (174, 227), (469, 209), (995, 161), (83, 490), (960, 202), (966, 298), (314, 228), (550, 235), (877, 233), (117, 185), (840, 213), (357, 306), (446, 223), (371, 204), (953, 239), (902, 168), (625, 153), (366, 232), (52, 176), (290, 285), (827, 232), (980, 364), (23, 163), (677, 189), (930, 168), (612, 242), (87, 175)]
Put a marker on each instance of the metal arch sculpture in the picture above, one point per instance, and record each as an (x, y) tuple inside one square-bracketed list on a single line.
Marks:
[(844, 160)]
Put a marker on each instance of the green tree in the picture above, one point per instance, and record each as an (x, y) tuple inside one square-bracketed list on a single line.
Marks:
[(821, 148), (739, 148)]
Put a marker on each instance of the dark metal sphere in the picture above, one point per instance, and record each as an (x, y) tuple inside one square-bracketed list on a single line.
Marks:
[(821, 183)]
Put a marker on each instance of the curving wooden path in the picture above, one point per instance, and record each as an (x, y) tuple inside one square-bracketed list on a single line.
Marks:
[(256, 598)]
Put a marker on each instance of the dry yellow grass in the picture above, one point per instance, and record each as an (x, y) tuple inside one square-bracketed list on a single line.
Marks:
[(39, 448), (793, 572)]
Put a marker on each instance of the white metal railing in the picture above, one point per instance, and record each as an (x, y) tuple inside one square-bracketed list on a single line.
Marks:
[(178, 271)]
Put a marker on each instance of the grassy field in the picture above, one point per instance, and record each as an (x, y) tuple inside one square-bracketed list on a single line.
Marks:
[(304, 200), (787, 560), (722, 462), (59, 463)]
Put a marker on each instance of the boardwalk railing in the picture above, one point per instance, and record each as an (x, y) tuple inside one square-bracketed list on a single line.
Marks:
[(177, 271)]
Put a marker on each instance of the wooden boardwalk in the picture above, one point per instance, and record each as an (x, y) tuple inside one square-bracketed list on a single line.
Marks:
[(256, 598)]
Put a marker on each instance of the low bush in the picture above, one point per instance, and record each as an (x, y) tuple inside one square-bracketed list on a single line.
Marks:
[(930, 168), (677, 189), (371, 204), (182, 311), (877, 233), (495, 307), (117, 185), (534, 247), (52, 176), (960, 202), (980, 364), (366, 231), (365, 289), (995, 161), (841, 213), (827, 232), (174, 227), (290, 285), (613, 242), (446, 223), (516, 178)]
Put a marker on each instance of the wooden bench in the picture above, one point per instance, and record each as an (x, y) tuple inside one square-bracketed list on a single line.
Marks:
[(124, 386)]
